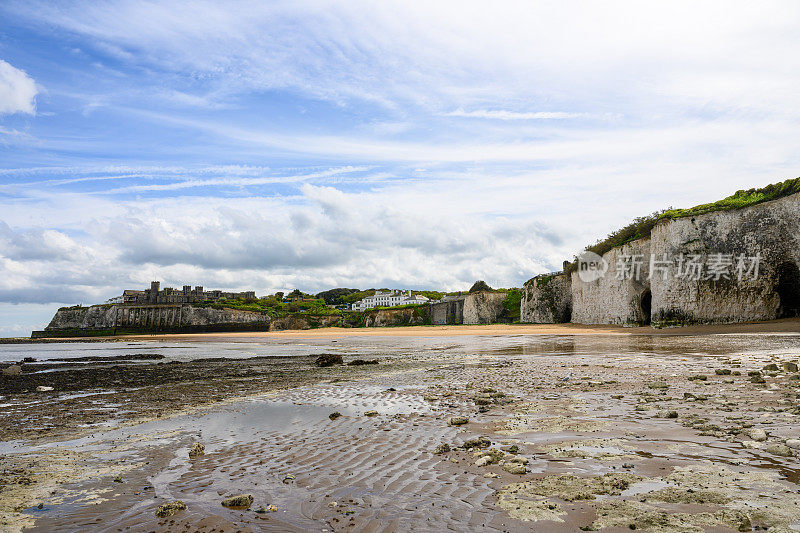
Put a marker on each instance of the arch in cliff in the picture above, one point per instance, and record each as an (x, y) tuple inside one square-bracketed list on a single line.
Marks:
[(646, 304), (788, 289)]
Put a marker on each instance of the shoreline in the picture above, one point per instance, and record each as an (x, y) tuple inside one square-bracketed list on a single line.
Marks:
[(786, 325)]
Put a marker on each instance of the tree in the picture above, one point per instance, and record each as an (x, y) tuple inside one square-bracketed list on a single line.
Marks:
[(480, 286)]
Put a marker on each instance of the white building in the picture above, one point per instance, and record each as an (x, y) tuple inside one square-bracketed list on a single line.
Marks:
[(388, 299)]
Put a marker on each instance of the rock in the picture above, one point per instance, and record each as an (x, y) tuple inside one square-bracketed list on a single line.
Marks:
[(272, 508), (458, 421), (261, 510), (484, 460), (661, 385), (627, 466), (793, 444), (170, 508), (12, 370), (361, 362), (242, 500), (671, 414), (334, 415), (771, 367), (790, 367), (477, 442), (118, 479), (371, 413), (757, 379), (491, 475), (442, 448), (722, 372), (42, 388), (698, 377), (333, 505), (515, 468), (329, 359), (757, 434), (779, 449), (519, 459), (197, 449), (751, 444)]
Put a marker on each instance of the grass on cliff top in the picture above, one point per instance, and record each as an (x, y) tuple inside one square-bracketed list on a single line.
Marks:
[(642, 226)]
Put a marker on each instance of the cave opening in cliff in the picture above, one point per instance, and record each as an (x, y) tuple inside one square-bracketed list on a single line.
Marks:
[(647, 301), (788, 290)]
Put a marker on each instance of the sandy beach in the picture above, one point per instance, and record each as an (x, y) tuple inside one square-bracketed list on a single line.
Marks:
[(498, 428)]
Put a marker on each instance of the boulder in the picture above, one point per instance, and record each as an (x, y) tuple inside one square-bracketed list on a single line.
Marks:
[(197, 449), (515, 468), (170, 508), (242, 500), (793, 444), (361, 362), (329, 359), (779, 449), (12, 370)]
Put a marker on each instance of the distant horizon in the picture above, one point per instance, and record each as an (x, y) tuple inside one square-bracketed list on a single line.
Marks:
[(401, 144)]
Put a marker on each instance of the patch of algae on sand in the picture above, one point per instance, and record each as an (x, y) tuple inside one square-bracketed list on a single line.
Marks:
[(570, 488), (748, 499), (521, 504), (640, 516), (519, 423), (601, 449)]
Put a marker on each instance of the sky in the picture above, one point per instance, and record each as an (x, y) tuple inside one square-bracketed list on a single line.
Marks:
[(310, 144)]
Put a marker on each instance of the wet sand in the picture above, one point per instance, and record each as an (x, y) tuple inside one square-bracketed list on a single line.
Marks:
[(593, 432), (788, 325)]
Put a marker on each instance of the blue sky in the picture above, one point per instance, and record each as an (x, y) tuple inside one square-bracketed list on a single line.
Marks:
[(274, 145)]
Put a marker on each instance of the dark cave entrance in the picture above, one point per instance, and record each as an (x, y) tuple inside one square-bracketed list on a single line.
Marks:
[(647, 302), (788, 290)]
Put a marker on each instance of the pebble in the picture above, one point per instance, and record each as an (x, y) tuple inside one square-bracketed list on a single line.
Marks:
[(458, 421), (483, 461)]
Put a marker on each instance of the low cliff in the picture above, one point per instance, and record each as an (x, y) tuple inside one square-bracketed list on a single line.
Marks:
[(305, 321), (119, 319), (406, 316), (483, 307), (547, 299)]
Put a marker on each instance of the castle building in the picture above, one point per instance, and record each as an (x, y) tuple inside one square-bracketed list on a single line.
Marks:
[(169, 295)]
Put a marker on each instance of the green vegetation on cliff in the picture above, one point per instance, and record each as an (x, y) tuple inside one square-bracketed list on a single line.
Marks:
[(642, 226), (512, 304), (273, 307)]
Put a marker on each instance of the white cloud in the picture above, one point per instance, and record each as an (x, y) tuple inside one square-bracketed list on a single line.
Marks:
[(17, 90), (500, 114)]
